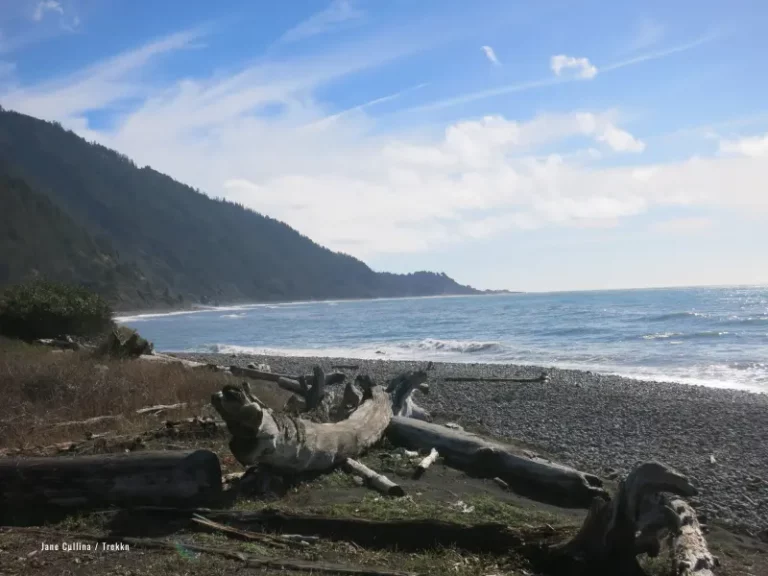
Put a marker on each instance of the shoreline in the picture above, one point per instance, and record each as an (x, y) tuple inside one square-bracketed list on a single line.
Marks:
[(598, 423), (162, 311)]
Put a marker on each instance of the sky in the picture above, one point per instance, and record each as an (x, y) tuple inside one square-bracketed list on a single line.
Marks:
[(537, 146)]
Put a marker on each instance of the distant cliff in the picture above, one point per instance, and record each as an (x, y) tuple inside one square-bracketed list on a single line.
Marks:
[(80, 212)]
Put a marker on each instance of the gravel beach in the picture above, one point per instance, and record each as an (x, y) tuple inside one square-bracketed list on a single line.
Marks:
[(600, 424)]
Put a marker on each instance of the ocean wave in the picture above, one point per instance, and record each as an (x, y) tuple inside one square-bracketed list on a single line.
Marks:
[(661, 336), (241, 315), (674, 316), (678, 336), (456, 346)]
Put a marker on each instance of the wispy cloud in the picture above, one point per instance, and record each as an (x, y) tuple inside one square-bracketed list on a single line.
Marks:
[(491, 55), (586, 70), (655, 55), (583, 67), (364, 106), (46, 6), (338, 14), (648, 32), (97, 86)]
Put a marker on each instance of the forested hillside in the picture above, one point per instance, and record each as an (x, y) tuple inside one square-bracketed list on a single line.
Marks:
[(78, 211)]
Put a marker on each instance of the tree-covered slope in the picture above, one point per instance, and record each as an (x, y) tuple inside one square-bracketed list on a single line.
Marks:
[(145, 239)]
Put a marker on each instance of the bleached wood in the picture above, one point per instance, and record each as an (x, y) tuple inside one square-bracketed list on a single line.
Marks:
[(260, 435), (373, 479)]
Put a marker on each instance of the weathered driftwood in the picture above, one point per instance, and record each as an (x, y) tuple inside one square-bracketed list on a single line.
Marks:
[(165, 359), (188, 478), (62, 344), (426, 463), (124, 343), (89, 421), (543, 378), (290, 444), (401, 389), (691, 553), (373, 479), (281, 541), (248, 560), (160, 408), (533, 477), (616, 531)]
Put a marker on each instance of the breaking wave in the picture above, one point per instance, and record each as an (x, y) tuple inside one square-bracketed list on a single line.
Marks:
[(455, 346)]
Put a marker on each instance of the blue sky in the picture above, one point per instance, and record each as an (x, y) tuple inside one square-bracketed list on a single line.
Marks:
[(525, 145)]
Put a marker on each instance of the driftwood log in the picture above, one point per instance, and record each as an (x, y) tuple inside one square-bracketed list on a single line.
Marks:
[(401, 389), (373, 479), (188, 478), (289, 444), (422, 467), (635, 522), (534, 477)]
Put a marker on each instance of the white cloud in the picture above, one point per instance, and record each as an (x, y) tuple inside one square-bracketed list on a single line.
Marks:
[(754, 147), (338, 13), (620, 140), (46, 6), (491, 55), (584, 68)]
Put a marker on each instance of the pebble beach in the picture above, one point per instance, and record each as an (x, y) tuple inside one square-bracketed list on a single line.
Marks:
[(597, 423)]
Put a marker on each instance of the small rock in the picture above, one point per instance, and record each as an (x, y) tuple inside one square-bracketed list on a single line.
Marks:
[(453, 426), (357, 480), (712, 459)]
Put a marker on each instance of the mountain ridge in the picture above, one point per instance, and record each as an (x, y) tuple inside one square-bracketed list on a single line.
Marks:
[(147, 241)]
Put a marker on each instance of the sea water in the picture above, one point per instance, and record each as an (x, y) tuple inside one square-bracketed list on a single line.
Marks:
[(710, 336)]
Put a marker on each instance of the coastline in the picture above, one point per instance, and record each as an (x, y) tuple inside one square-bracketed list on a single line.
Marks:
[(598, 423), (163, 310)]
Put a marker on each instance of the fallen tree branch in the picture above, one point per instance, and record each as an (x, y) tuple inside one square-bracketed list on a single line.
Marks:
[(374, 479), (248, 560), (87, 421), (425, 464), (161, 408), (282, 541), (533, 477)]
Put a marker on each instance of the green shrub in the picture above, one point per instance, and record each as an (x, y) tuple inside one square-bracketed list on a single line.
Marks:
[(43, 309)]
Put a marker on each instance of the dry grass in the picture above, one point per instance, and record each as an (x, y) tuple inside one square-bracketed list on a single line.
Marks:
[(42, 388)]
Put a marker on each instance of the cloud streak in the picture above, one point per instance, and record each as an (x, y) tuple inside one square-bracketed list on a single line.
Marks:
[(338, 14)]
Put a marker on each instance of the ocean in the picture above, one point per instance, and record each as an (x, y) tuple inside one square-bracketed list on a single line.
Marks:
[(707, 336)]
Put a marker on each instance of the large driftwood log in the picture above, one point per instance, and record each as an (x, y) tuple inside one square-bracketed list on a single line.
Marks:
[(616, 531), (290, 444), (533, 477), (144, 478)]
